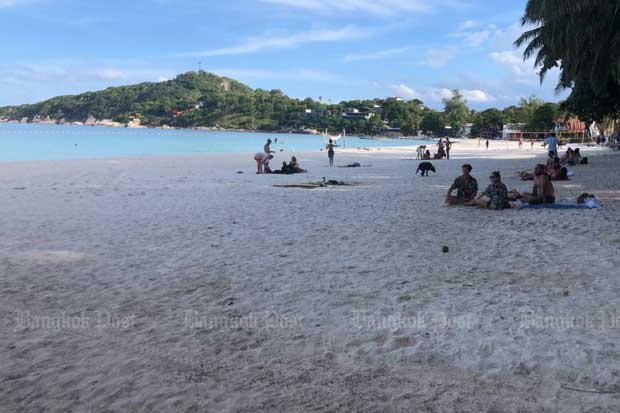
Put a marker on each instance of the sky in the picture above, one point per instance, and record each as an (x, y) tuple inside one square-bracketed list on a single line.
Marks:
[(329, 49)]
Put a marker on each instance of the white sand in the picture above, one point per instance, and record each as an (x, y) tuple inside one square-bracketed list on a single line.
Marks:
[(147, 240)]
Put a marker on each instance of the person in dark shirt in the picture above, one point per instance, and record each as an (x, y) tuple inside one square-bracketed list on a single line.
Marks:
[(466, 187)]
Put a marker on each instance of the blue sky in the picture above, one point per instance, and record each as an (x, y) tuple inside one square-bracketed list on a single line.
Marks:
[(334, 49)]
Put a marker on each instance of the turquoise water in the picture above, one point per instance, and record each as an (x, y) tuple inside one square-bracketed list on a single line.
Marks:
[(19, 142)]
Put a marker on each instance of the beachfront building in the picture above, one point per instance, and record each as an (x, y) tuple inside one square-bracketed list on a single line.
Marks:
[(313, 114), (571, 129), (512, 131), (356, 114)]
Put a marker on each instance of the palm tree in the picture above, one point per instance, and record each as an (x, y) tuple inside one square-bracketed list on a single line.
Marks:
[(582, 39)]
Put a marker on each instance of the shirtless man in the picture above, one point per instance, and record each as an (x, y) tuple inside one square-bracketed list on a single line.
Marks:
[(543, 191), (267, 147), (466, 187)]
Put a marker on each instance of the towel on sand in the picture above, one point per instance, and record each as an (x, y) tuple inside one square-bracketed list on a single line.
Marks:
[(569, 204)]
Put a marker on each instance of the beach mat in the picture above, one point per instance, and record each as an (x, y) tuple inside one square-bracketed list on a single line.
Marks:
[(565, 205)]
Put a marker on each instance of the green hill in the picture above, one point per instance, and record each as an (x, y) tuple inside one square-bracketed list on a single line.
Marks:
[(204, 99)]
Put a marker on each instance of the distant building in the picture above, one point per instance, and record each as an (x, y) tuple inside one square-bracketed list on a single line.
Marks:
[(356, 114), (467, 129), (312, 114), (572, 125), (512, 131)]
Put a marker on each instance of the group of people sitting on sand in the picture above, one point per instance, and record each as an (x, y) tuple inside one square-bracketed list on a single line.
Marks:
[(443, 151), (556, 167), (263, 158), (496, 196)]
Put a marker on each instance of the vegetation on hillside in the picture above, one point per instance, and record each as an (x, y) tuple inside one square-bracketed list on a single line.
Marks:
[(203, 99)]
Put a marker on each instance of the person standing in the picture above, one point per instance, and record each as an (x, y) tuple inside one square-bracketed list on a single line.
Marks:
[(267, 147), (448, 147), (520, 142), (262, 162), (330, 152), (487, 144), (552, 143)]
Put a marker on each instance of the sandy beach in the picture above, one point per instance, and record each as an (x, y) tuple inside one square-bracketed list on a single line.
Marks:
[(178, 284)]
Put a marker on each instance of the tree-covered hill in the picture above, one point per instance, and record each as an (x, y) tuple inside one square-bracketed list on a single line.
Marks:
[(204, 99), (196, 99)]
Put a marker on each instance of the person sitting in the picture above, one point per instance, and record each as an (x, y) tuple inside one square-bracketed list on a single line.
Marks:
[(575, 159), (441, 151), (294, 166), (497, 194), (558, 172), (543, 191), (290, 168), (564, 159), (550, 160), (466, 187), (427, 155)]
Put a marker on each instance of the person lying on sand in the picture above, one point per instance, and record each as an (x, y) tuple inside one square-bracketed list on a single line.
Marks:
[(497, 194), (543, 191), (466, 187), (262, 162), (558, 172)]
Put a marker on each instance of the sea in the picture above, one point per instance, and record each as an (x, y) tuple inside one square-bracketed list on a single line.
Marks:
[(25, 142)]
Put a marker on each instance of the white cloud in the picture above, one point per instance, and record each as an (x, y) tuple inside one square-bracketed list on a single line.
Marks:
[(468, 24), (437, 58), (436, 95), (5, 4), (109, 74), (299, 74), (403, 91), (75, 72), (375, 55), (476, 39), (376, 7), (257, 44), (477, 96), (513, 60)]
